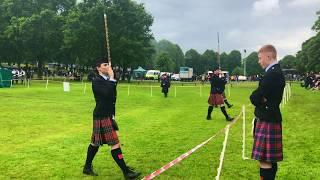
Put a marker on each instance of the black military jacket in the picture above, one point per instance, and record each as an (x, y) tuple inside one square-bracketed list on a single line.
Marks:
[(105, 94), (270, 88), (217, 84)]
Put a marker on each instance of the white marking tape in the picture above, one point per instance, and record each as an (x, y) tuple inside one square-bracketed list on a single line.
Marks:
[(244, 132), (183, 156), (223, 152)]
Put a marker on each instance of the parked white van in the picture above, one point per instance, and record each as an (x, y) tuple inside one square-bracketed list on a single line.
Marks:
[(152, 74)]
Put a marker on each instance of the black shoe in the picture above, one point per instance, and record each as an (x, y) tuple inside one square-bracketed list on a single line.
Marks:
[(130, 175), (230, 105), (209, 118), (89, 171), (230, 119)]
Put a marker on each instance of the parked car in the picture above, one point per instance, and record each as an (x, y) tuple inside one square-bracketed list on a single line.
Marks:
[(175, 77), (242, 78), (153, 74)]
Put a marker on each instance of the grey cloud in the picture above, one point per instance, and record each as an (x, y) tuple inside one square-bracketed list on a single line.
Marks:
[(194, 24)]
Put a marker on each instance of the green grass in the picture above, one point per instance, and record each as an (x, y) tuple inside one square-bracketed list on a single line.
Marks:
[(45, 133)]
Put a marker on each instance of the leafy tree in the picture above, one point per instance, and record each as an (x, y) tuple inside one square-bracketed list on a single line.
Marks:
[(316, 26), (288, 62), (208, 61), (252, 65), (237, 71), (192, 59), (223, 60), (129, 33), (232, 61), (308, 58), (173, 50), (164, 63)]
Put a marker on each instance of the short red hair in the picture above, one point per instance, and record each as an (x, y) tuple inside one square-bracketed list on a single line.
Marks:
[(270, 49)]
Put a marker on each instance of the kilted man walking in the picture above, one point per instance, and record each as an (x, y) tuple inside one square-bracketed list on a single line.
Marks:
[(165, 84), (104, 125), (216, 98), (267, 147)]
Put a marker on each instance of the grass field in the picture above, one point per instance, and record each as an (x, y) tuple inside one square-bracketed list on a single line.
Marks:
[(45, 133)]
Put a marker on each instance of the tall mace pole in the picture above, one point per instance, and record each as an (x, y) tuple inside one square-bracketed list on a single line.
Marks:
[(107, 36)]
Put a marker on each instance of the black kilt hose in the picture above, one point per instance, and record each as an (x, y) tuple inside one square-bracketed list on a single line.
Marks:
[(267, 144), (104, 132)]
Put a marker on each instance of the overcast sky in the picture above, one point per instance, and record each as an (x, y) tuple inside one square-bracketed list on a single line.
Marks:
[(242, 24)]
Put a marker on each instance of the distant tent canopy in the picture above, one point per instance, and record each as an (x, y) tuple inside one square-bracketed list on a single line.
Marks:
[(5, 77), (139, 73)]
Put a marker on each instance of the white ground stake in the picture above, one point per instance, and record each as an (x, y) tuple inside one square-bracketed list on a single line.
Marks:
[(229, 87), (252, 125), (175, 91), (66, 86), (222, 152), (288, 89), (47, 83), (285, 94), (151, 90), (244, 132), (85, 87), (200, 91)]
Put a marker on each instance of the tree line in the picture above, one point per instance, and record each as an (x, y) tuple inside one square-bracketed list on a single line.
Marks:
[(72, 33)]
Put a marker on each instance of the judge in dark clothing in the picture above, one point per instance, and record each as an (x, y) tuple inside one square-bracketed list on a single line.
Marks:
[(165, 84), (216, 98), (104, 125), (267, 147)]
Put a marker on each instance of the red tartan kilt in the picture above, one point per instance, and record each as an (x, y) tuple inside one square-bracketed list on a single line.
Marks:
[(104, 132), (215, 99), (267, 144)]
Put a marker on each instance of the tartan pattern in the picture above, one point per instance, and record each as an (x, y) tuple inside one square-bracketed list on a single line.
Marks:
[(215, 100), (103, 132), (267, 144)]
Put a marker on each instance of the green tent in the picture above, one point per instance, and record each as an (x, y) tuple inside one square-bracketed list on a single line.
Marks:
[(139, 73), (5, 77)]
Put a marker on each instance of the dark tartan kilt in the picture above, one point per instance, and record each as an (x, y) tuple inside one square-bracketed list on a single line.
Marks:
[(104, 132), (215, 100), (267, 144)]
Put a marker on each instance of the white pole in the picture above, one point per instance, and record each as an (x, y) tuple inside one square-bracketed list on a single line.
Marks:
[(284, 95), (282, 102), (244, 132), (290, 91), (200, 91), (175, 91), (47, 83), (28, 83), (85, 87), (222, 152), (229, 87), (252, 125), (11, 83), (151, 90)]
